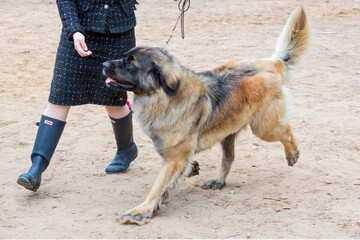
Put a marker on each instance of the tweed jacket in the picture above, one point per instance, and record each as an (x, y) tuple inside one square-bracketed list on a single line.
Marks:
[(101, 16)]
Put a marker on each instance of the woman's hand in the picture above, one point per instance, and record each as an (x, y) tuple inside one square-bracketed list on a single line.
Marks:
[(80, 45)]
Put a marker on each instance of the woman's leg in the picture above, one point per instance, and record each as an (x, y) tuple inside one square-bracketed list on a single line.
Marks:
[(121, 120), (51, 126), (59, 112), (117, 111)]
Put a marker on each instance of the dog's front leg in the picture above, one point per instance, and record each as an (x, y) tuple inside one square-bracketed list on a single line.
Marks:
[(171, 174)]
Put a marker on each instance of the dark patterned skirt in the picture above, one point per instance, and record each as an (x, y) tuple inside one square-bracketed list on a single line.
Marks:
[(79, 80)]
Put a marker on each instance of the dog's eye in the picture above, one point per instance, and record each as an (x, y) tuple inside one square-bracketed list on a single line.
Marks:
[(130, 60)]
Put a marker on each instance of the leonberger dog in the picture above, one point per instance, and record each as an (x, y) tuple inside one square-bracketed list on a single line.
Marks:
[(185, 112)]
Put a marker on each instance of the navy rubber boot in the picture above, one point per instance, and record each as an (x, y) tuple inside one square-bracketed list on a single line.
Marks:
[(126, 148), (47, 138)]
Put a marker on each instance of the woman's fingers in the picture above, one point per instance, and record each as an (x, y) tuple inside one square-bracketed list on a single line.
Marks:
[(79, 48), (80, 45)]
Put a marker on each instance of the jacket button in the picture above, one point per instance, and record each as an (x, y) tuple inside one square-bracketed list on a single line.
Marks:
[(106, 6)]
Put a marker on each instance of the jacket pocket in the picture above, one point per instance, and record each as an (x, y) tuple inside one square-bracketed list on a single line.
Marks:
[(84, 5), (128, 7)]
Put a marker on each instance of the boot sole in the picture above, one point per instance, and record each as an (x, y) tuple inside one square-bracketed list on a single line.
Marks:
[(26, 184), (117, 172), (123, 171)]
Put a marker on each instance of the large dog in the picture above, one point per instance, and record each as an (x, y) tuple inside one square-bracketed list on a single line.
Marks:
[(185, 112)]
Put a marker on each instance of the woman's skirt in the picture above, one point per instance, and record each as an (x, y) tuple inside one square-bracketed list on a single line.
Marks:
[(79, 80)]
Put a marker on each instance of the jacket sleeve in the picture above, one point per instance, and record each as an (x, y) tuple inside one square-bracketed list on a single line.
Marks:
[(69, 16)]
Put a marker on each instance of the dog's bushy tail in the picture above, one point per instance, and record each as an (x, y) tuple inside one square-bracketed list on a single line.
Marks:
[(294, 39)]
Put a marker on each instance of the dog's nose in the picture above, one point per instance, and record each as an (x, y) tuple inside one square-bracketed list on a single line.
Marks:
[(106, 64)]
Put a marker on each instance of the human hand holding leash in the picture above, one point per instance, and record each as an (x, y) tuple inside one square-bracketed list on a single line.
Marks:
[(80, 45)]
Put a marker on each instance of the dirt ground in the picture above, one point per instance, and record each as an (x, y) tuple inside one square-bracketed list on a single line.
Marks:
[(264, 198)]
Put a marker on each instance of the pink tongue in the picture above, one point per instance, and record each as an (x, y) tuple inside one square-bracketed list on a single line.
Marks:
[(109, 80)]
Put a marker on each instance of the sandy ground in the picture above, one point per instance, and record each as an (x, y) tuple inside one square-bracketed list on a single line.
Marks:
[(264, 198)]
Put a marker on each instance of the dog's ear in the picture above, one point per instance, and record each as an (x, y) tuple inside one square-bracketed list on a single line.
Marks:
[(170, 88)]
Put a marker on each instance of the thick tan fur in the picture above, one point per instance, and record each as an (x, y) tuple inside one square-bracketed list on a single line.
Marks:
[(206, 108)]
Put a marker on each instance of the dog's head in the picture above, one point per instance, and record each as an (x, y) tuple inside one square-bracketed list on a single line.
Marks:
[(145, 71)]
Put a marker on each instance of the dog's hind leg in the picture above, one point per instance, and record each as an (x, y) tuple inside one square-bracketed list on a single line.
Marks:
[(228, 146), (177, 164), (272, 125), (285, 136), (291, 151)]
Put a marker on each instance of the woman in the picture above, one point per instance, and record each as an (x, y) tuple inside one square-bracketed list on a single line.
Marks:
[(93, 32)]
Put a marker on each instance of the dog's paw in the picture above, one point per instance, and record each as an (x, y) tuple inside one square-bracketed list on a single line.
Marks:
[(213, 184), (135, 216), (195, 169), (292, 157), (138, 219)]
